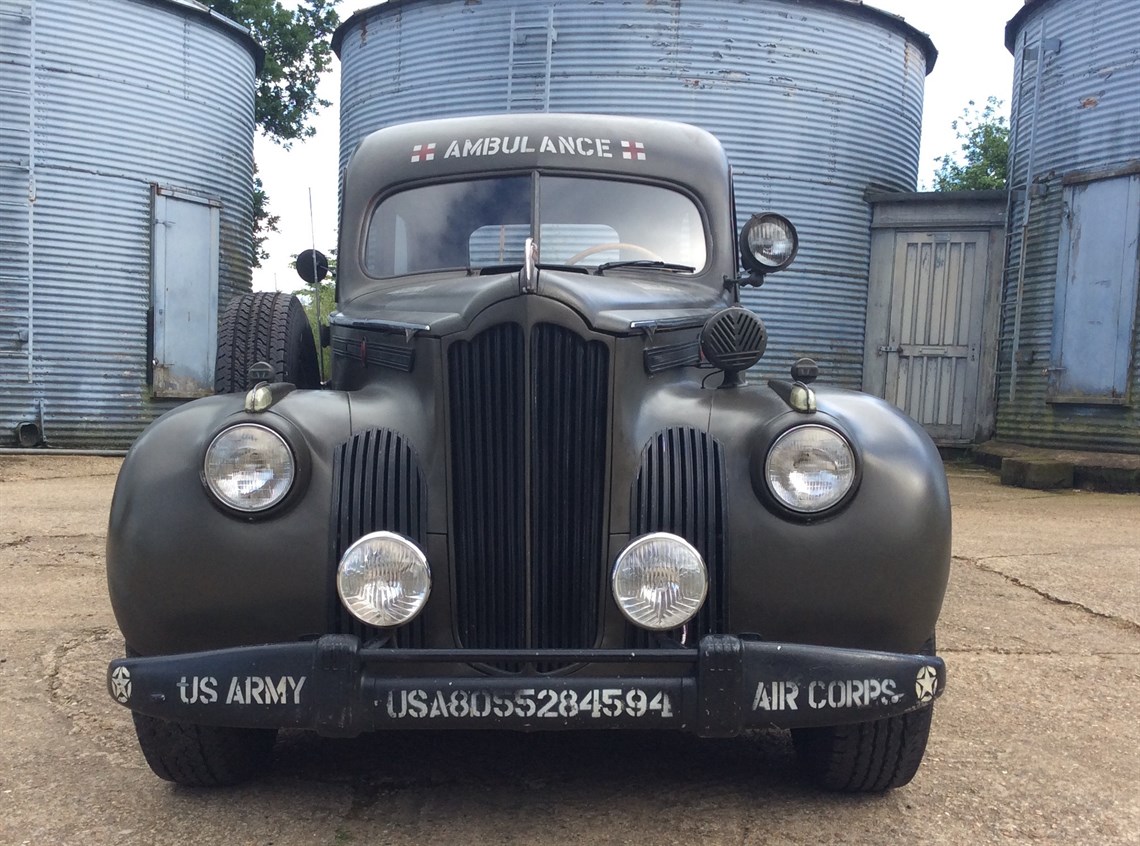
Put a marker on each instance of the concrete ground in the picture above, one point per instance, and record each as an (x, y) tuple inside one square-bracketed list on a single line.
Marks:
[(1036, 739)]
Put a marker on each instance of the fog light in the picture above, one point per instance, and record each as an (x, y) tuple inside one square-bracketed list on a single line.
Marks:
[(383, 579), (660, 581)]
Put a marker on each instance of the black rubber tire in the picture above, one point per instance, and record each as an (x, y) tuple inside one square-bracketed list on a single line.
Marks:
[(865, 757), (203, 756), (868, 757), (270, 327)]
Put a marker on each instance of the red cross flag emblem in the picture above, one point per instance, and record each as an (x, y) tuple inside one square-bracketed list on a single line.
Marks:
[(423, 152), (633, 150)]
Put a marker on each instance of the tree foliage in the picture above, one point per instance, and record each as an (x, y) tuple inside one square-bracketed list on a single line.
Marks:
[(984, 160), (263, 221), (297, 52)]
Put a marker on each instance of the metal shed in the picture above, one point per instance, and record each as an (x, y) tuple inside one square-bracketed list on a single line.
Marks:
[(815, 101), (1068, 374), (936, 265), (126, 167)]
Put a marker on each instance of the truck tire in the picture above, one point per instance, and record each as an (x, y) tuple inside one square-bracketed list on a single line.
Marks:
[(868, 757), (865, 757), (269, 327), (203, 756)]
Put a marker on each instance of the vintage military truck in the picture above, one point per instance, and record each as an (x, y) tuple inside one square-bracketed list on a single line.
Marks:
[(537, 491)]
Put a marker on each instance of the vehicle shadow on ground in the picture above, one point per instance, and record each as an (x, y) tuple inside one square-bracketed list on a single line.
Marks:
[(599, 764)]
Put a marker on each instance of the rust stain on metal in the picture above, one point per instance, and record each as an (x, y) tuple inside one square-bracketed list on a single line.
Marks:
[(1090, 102), (181, 387)]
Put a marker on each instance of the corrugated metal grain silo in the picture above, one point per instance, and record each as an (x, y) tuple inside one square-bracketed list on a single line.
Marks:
[(126, 166), (1070, 350), (815, 101)]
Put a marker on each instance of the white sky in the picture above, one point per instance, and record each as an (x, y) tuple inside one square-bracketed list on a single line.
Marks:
[(972, 64)]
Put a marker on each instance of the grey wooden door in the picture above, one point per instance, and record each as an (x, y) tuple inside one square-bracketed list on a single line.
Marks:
[(924, 344)]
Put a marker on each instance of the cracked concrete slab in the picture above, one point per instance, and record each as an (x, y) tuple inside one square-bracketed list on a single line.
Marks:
[(1071, 546), (985, 612), (1035, 740)]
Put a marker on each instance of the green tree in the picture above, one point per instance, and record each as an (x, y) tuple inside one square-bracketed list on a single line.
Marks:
[(263, 221), (984, 137), (297, 52)]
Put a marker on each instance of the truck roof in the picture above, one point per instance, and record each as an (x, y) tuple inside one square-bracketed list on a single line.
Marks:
[(639, 147)]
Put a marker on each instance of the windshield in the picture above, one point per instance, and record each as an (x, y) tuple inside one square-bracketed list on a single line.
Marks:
[(482, 223)]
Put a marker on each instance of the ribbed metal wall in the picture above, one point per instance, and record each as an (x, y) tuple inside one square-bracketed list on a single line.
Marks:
[(100, 102), (1075, 108), (815, 101)]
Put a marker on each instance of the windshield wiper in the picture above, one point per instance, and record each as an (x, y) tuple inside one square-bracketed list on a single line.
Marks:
[(648, 264), (569, 268), (495, 269)]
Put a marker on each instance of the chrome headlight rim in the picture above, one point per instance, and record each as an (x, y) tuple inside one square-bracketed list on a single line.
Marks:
[(295, 444), (419, 557), (764, 485), (631, 548)]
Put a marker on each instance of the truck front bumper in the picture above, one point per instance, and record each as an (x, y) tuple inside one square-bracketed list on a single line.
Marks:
[(335, 687)]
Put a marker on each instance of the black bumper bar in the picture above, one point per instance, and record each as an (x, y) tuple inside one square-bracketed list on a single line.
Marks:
[(335, 687)]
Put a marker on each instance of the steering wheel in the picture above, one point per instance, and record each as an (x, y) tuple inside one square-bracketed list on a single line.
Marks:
[(615, 245)]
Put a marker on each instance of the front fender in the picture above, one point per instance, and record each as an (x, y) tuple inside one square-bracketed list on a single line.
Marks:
[(185, 574), (870, 575)]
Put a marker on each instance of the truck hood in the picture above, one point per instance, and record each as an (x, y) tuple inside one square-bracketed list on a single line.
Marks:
[(615, 303)]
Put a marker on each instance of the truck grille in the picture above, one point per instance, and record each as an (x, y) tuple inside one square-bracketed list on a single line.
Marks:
[(377, 485), (681, 488), (528, 453)]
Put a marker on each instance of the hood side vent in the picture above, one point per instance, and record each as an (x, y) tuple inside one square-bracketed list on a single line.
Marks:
[(681, 487), (377, 486)]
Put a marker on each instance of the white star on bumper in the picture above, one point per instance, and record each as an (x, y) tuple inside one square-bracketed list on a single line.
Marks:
[(121, 684), (925, 683)]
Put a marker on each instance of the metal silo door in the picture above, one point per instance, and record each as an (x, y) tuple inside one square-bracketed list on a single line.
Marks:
[(1095, 306), (928, 358), (184, 293)]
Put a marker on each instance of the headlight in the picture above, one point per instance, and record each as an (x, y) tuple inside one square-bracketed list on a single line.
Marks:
[(810, 468), (768, 242), (249, 467), (383, 579), (660, 581)]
